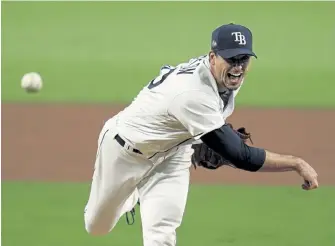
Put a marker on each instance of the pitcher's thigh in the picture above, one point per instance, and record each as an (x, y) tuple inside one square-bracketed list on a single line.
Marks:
[(115, 178), (163, 200)]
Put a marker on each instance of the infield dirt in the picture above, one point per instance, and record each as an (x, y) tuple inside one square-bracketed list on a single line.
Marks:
[(58, 142)]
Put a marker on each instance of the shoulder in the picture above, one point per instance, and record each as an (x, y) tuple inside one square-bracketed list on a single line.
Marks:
[(190, 77), (195, 98), (191, 65), (194, 70)]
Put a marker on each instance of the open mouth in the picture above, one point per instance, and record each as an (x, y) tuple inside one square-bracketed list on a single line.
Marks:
[(234, 75)]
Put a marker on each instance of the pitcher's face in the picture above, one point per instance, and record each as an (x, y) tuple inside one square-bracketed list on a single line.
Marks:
[(229, 72)]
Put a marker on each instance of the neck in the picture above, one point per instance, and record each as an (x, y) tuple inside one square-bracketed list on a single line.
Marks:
[(213, 74)]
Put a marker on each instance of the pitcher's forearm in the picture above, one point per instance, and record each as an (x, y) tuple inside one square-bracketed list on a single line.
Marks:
[(279, 163), (225, 142)]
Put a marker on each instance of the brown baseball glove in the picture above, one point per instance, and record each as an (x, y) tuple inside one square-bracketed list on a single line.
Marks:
[(206, 157)]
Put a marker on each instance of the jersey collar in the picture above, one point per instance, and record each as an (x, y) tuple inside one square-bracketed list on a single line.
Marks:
[(210, 75)]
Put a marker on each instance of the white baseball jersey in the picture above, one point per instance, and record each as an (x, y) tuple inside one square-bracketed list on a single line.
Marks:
[(180, 105)]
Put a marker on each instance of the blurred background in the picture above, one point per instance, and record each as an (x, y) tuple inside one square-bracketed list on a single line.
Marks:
[(94, 57)]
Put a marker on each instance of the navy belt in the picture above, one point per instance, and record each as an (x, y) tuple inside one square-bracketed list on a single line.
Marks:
[(123, 143)]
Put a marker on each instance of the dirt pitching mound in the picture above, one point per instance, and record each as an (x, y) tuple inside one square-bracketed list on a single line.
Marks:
[(58, 142)]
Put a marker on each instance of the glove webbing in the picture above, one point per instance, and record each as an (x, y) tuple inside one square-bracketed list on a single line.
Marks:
[(242, 133)]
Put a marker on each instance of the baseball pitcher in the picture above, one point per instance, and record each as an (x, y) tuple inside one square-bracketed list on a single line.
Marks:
[(144, 152)]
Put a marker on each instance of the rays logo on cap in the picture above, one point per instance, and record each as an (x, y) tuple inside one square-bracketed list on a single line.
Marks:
[(239, 37)]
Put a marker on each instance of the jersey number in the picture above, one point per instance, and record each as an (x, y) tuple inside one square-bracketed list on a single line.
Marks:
[(189, 69), (160, 79)]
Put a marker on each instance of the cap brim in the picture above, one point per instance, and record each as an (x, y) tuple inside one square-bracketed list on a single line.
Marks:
[(229, 53)]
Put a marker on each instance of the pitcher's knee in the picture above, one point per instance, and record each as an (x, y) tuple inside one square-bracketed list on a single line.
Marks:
[(96, 230), (94, 227)]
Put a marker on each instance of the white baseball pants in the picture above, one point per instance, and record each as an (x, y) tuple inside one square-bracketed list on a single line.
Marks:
[(121, 177)]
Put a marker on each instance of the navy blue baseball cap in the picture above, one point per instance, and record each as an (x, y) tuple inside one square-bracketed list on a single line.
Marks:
[(232, 40)]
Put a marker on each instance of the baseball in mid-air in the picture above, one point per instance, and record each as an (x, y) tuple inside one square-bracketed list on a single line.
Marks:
[(32, 82)]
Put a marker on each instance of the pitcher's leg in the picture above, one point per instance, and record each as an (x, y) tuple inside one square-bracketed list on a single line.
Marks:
[(163, 200), (115, 178)]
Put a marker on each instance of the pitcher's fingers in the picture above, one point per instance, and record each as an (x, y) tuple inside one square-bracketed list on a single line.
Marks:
[(310, 185), (306, 187), (315, 183)]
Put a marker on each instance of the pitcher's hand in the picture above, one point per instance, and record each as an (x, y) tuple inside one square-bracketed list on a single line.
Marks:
[(309, 175)]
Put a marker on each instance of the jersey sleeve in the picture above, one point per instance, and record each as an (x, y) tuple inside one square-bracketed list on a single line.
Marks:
[(197, 111)]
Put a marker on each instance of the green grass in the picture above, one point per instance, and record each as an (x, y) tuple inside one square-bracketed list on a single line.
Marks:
[(52, 214), (107, 51)]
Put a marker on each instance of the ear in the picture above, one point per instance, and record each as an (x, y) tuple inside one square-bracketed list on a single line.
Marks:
[(212, 57)]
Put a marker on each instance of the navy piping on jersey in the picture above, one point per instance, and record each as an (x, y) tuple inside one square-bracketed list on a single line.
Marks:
[(175, 145), (102, 139)]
